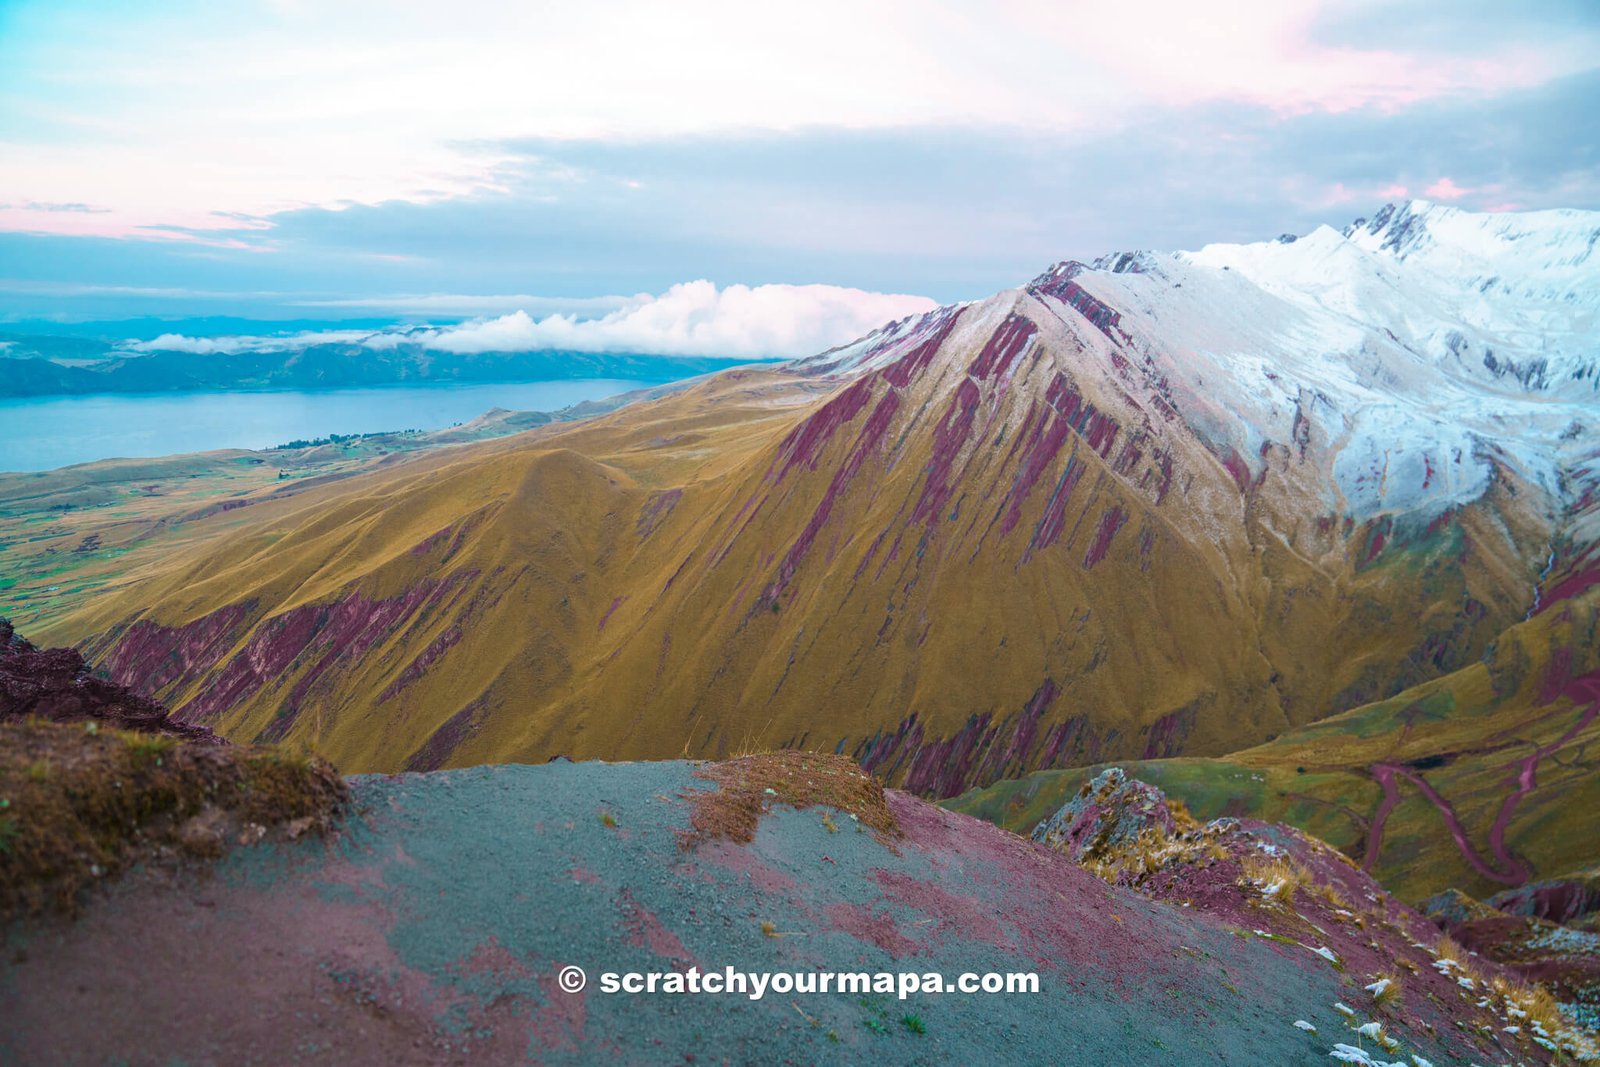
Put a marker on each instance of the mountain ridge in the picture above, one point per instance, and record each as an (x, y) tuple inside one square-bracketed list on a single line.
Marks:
[(1127, 512)]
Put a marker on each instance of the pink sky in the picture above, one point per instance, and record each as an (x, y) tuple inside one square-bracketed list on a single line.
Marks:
[(255, 108)]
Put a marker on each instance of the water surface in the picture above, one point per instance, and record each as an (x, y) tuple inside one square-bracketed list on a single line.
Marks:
[(38, 433)]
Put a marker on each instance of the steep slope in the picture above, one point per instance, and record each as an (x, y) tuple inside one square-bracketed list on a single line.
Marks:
[(55, 684), (436, 930), (1479, 780), (1166, 504), (95, 779)]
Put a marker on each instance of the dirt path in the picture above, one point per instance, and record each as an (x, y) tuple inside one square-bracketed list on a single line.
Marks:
[(1506, 867)]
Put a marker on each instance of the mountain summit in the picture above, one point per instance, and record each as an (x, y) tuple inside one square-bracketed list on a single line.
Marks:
[(1164, 504)]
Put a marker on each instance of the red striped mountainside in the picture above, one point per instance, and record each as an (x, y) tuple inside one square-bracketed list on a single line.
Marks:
[(1163, 505)]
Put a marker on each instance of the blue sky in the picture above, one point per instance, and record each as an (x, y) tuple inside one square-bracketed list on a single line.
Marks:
[(304, 160)]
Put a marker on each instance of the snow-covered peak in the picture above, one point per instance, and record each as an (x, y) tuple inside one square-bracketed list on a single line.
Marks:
[(1551, 256), (1429, 338), (1511, 299), (1512, 242), (1422, 348), (1516, 260)]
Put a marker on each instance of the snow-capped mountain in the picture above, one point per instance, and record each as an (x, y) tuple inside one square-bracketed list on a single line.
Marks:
[(1423, 343), (1162, 504)]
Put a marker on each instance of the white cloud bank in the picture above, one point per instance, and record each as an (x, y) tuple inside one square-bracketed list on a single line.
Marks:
[(690, 319), (233, 343), (472, 304), (698, 319)]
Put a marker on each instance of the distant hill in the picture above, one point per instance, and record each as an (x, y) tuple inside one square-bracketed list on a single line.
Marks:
[(64, 365)]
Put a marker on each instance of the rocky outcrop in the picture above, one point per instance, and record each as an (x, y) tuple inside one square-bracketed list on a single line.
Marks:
[(56, 684), (1573, 900), (1540, 930), (1107, 816), (1293, 889)]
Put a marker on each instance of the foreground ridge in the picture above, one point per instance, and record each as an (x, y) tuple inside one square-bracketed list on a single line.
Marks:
[(437, 927)]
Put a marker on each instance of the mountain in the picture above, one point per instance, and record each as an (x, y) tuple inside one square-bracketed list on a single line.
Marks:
[(1479, 777), (1481, 780), (1157, 505), (46, 365)]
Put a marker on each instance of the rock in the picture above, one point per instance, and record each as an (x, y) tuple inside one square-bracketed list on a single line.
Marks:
[(56, 684), (1454, 906), (1563, 958), (1569, 900), (1108, 814), (204, 834)]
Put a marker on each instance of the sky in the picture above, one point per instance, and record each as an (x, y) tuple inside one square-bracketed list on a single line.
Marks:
[(750, 178)]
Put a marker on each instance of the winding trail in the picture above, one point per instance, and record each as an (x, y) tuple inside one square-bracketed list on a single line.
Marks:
[(1506, 867)]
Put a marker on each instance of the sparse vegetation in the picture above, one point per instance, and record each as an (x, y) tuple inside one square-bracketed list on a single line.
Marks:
[(1455, 959), (748, 787), (1276, 877), (339, 439), (80, 804), (1329, 894), (1385, 990)]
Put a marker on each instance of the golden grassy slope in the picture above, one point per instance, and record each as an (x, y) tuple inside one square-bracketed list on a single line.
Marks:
[(1506, 742), (999, 552)]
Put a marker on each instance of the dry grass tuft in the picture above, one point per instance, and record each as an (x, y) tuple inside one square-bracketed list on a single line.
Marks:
[(1447, 948), (1388, 994), (1182, 815), (1533, 1001), (1449, 951), (1329, 894), (79, 803), (1277, 877), (749, 786)]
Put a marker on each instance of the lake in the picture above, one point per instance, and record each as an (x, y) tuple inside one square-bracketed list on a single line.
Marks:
[(38, 433)]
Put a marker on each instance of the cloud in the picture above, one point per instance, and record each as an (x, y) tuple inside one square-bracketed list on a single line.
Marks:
[(696, 318), (951, 212), (248, 108), (1445, 189), (690, 319), (231, 345), (469, 304), (56, 208)]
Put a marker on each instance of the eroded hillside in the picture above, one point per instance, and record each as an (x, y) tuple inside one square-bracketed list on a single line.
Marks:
[(1154, 507)]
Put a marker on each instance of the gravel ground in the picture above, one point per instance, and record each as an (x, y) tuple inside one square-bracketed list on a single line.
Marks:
[(433, 929)]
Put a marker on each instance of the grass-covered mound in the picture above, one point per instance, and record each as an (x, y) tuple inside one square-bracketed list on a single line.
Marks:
[(79, 802), (749, 786)]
